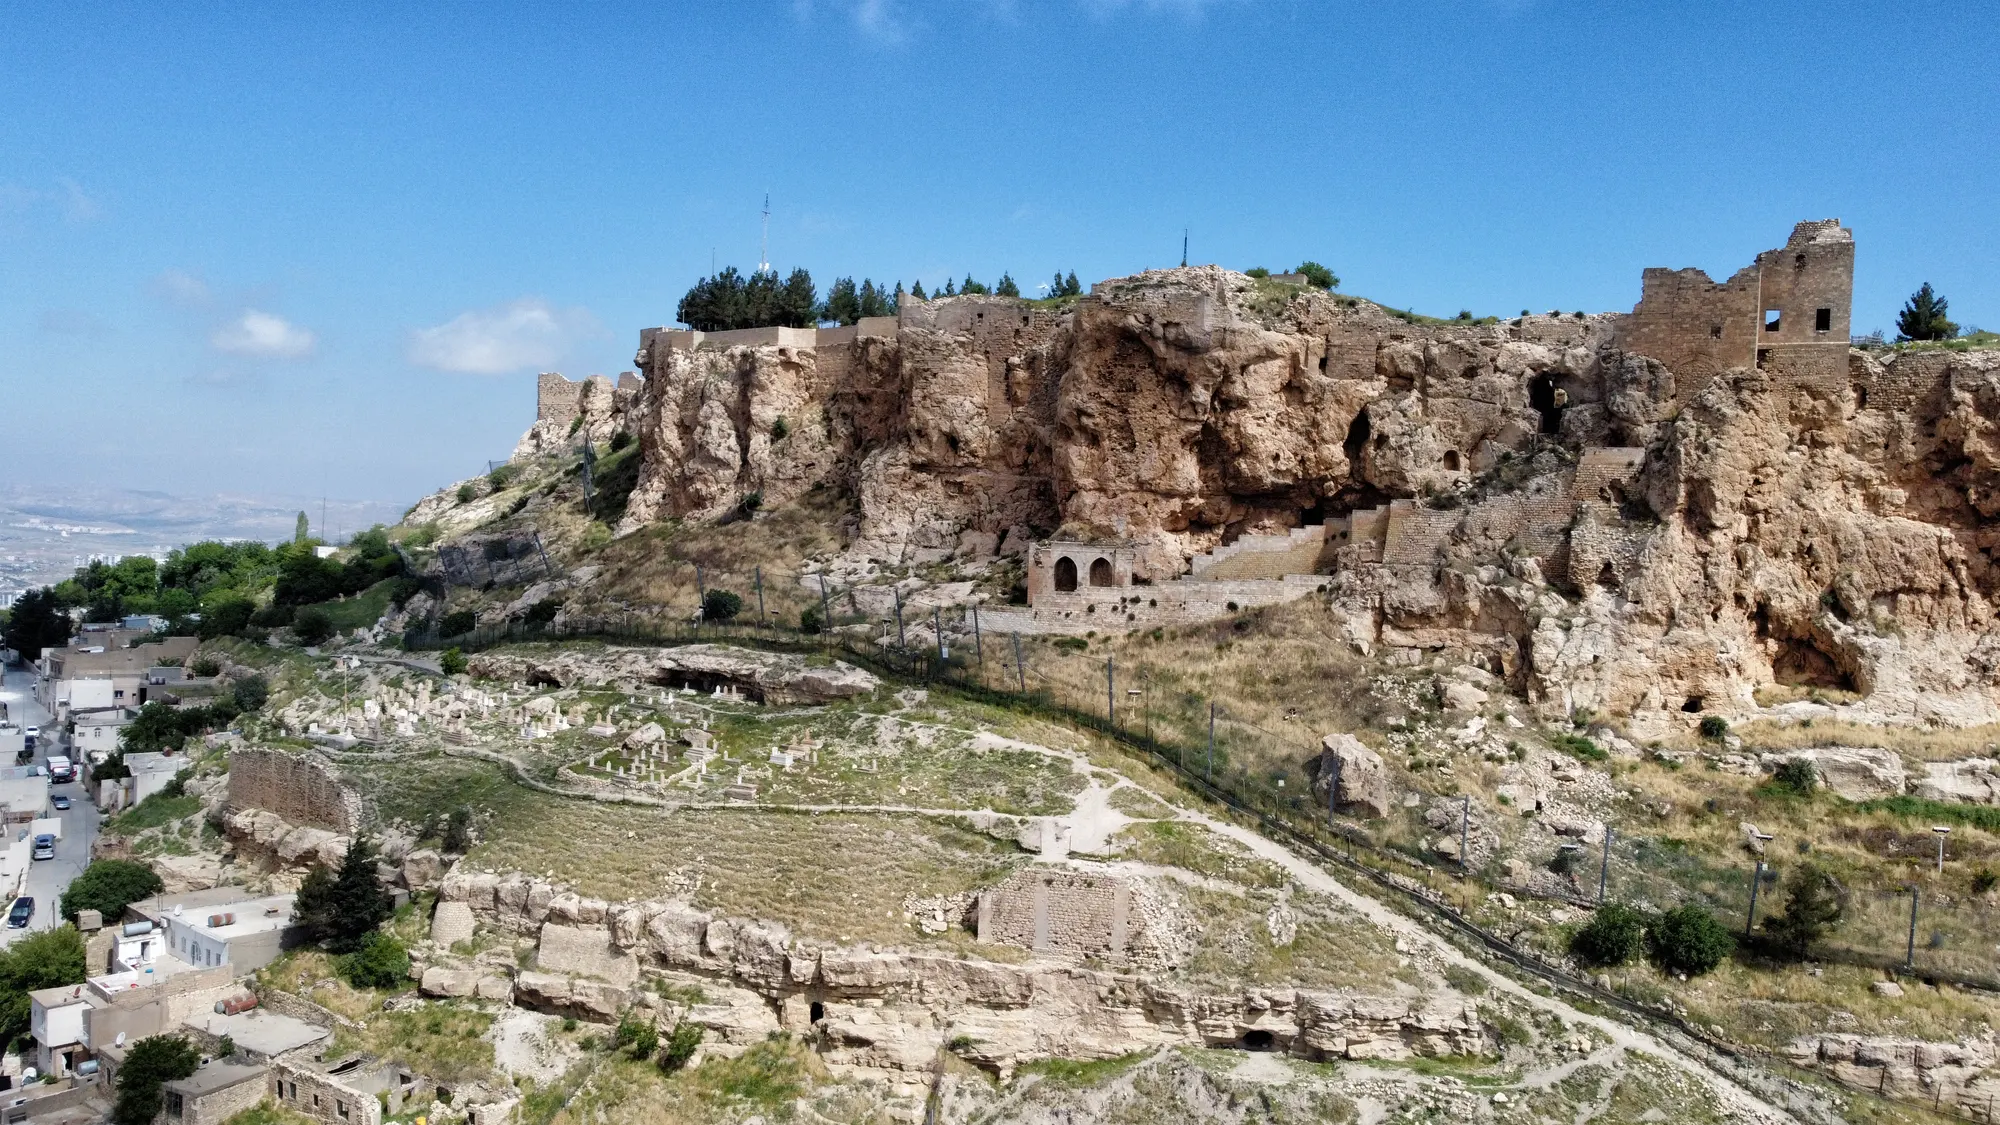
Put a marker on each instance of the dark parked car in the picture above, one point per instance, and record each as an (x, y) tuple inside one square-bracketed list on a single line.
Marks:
[(22, 914)]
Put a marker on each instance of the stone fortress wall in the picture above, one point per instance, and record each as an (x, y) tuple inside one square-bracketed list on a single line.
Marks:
[(303, 789), (1050, 910)]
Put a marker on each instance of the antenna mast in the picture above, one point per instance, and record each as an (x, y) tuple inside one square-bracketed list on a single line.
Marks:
[(1183, 246), (764, 246)]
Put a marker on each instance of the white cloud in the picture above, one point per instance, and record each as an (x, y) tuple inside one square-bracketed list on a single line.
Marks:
[(525, 335), (880, 20), (265, 336), (179, 287)]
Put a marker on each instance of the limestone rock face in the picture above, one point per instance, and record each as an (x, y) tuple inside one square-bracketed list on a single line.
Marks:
[(1854, 772), (1359, 777), (1600, 530)]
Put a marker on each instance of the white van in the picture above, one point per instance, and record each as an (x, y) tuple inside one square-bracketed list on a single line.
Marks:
[(61, 769)]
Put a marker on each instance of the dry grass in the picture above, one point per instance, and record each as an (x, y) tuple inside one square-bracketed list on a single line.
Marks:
[(441, 1041), (655, 565), (1770, 1007), (835, 877), (1333, 949), (1930, 744), (310, 973)]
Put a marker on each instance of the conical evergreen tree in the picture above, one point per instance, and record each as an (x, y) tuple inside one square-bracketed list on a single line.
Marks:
[(1006, 286), (1923, 317)]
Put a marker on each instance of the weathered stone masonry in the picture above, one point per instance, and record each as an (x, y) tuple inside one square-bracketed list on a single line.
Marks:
[(301, 788)]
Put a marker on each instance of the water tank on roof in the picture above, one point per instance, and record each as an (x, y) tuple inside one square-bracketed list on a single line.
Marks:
[(134, 929)]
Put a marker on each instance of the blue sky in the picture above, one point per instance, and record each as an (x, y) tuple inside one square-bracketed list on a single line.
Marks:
[(304, 248)]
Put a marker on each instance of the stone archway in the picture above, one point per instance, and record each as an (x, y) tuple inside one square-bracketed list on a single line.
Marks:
[(1100, 573), (1065, 575)]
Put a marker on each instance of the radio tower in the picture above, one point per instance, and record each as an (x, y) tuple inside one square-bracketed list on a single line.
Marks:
[(764, 246)]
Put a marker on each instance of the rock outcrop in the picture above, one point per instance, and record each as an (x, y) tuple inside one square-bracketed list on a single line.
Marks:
[(1357, 775), (764, 676), (1646, 514), (892, 1010)]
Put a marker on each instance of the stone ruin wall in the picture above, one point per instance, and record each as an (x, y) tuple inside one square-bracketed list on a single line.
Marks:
[(303, 789), (1067, 912), (891, 1011)]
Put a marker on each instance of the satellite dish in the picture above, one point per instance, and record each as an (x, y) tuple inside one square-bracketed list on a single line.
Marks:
[(28, 1074), (120, 1041)]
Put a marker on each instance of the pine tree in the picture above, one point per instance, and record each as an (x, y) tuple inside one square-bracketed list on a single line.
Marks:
[(1813, 907), (341, 910), (800, 302), (917, 291), (950, 290), (1006, 286), (973, 287), (301, 530), (843, 302), (1057, 288), (1923, 317), (1070, 286)]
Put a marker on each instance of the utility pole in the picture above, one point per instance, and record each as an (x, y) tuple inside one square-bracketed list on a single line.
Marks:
[(764, 244), (825, 609), (1910, 951), (978, 645), (1110, 696), (1604, 866), (1020, 667), (760, 597), (1184, 234), (700, 592), (1756, 880), (1208, 774), (900, 642), (937, 627)]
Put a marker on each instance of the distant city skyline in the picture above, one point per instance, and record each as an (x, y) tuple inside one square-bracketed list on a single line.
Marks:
[(326, 250)]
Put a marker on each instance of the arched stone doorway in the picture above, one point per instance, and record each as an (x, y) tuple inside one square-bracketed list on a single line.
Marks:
[(1100, 573), (1065, 576)]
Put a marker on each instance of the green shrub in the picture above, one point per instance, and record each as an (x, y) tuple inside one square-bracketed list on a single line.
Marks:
[(635, 1036), (467, 493), (1578, 746), (780, 429), (457, 623), (1714, 727), (1615, 935), (681, 1045), (753, 502), (811, 620), (720, 605), (502, 476), (1318, 276), (250, 693), (1795, 776), (381, 962), (458, 831), (108, 886), (313, 626), (452, 661), (1984, 880), (1688, 939), (1258, 272), (205, 666)]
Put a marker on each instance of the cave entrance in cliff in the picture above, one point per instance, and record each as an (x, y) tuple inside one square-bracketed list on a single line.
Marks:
[(1100, 573), (539, 678), (1357, 439), (1801, 663), (1607, 576), (1549, 401), (706, 682), (1258, 1040), (1065, 576), (815, 1012)]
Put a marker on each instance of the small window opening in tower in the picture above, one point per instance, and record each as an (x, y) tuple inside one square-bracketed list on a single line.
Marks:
[(1451, 460), (1763, 356), (1715, 331), (1772, 319), (1823, 320)]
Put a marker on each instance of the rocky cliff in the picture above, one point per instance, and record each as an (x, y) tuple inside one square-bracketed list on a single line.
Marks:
[(1602, 529)]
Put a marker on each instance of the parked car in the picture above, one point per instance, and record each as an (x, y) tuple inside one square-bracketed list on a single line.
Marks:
[(34, 733), (22, 913), (61, 802), (45, 846)]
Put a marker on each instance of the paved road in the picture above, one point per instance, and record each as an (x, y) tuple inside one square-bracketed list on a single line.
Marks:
[(49, 877)]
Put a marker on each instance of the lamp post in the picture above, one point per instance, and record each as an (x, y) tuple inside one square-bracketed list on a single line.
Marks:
[(1942, 831)]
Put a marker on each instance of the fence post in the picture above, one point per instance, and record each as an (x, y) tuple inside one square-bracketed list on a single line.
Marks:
[(1020, 667), (1208, 774), (1604, 866), (1756, 881), (547, 570), (825, 608), (761, 621), (1110, 698), (1910, 951), (937, 627), (978, 645), (900, 642)]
